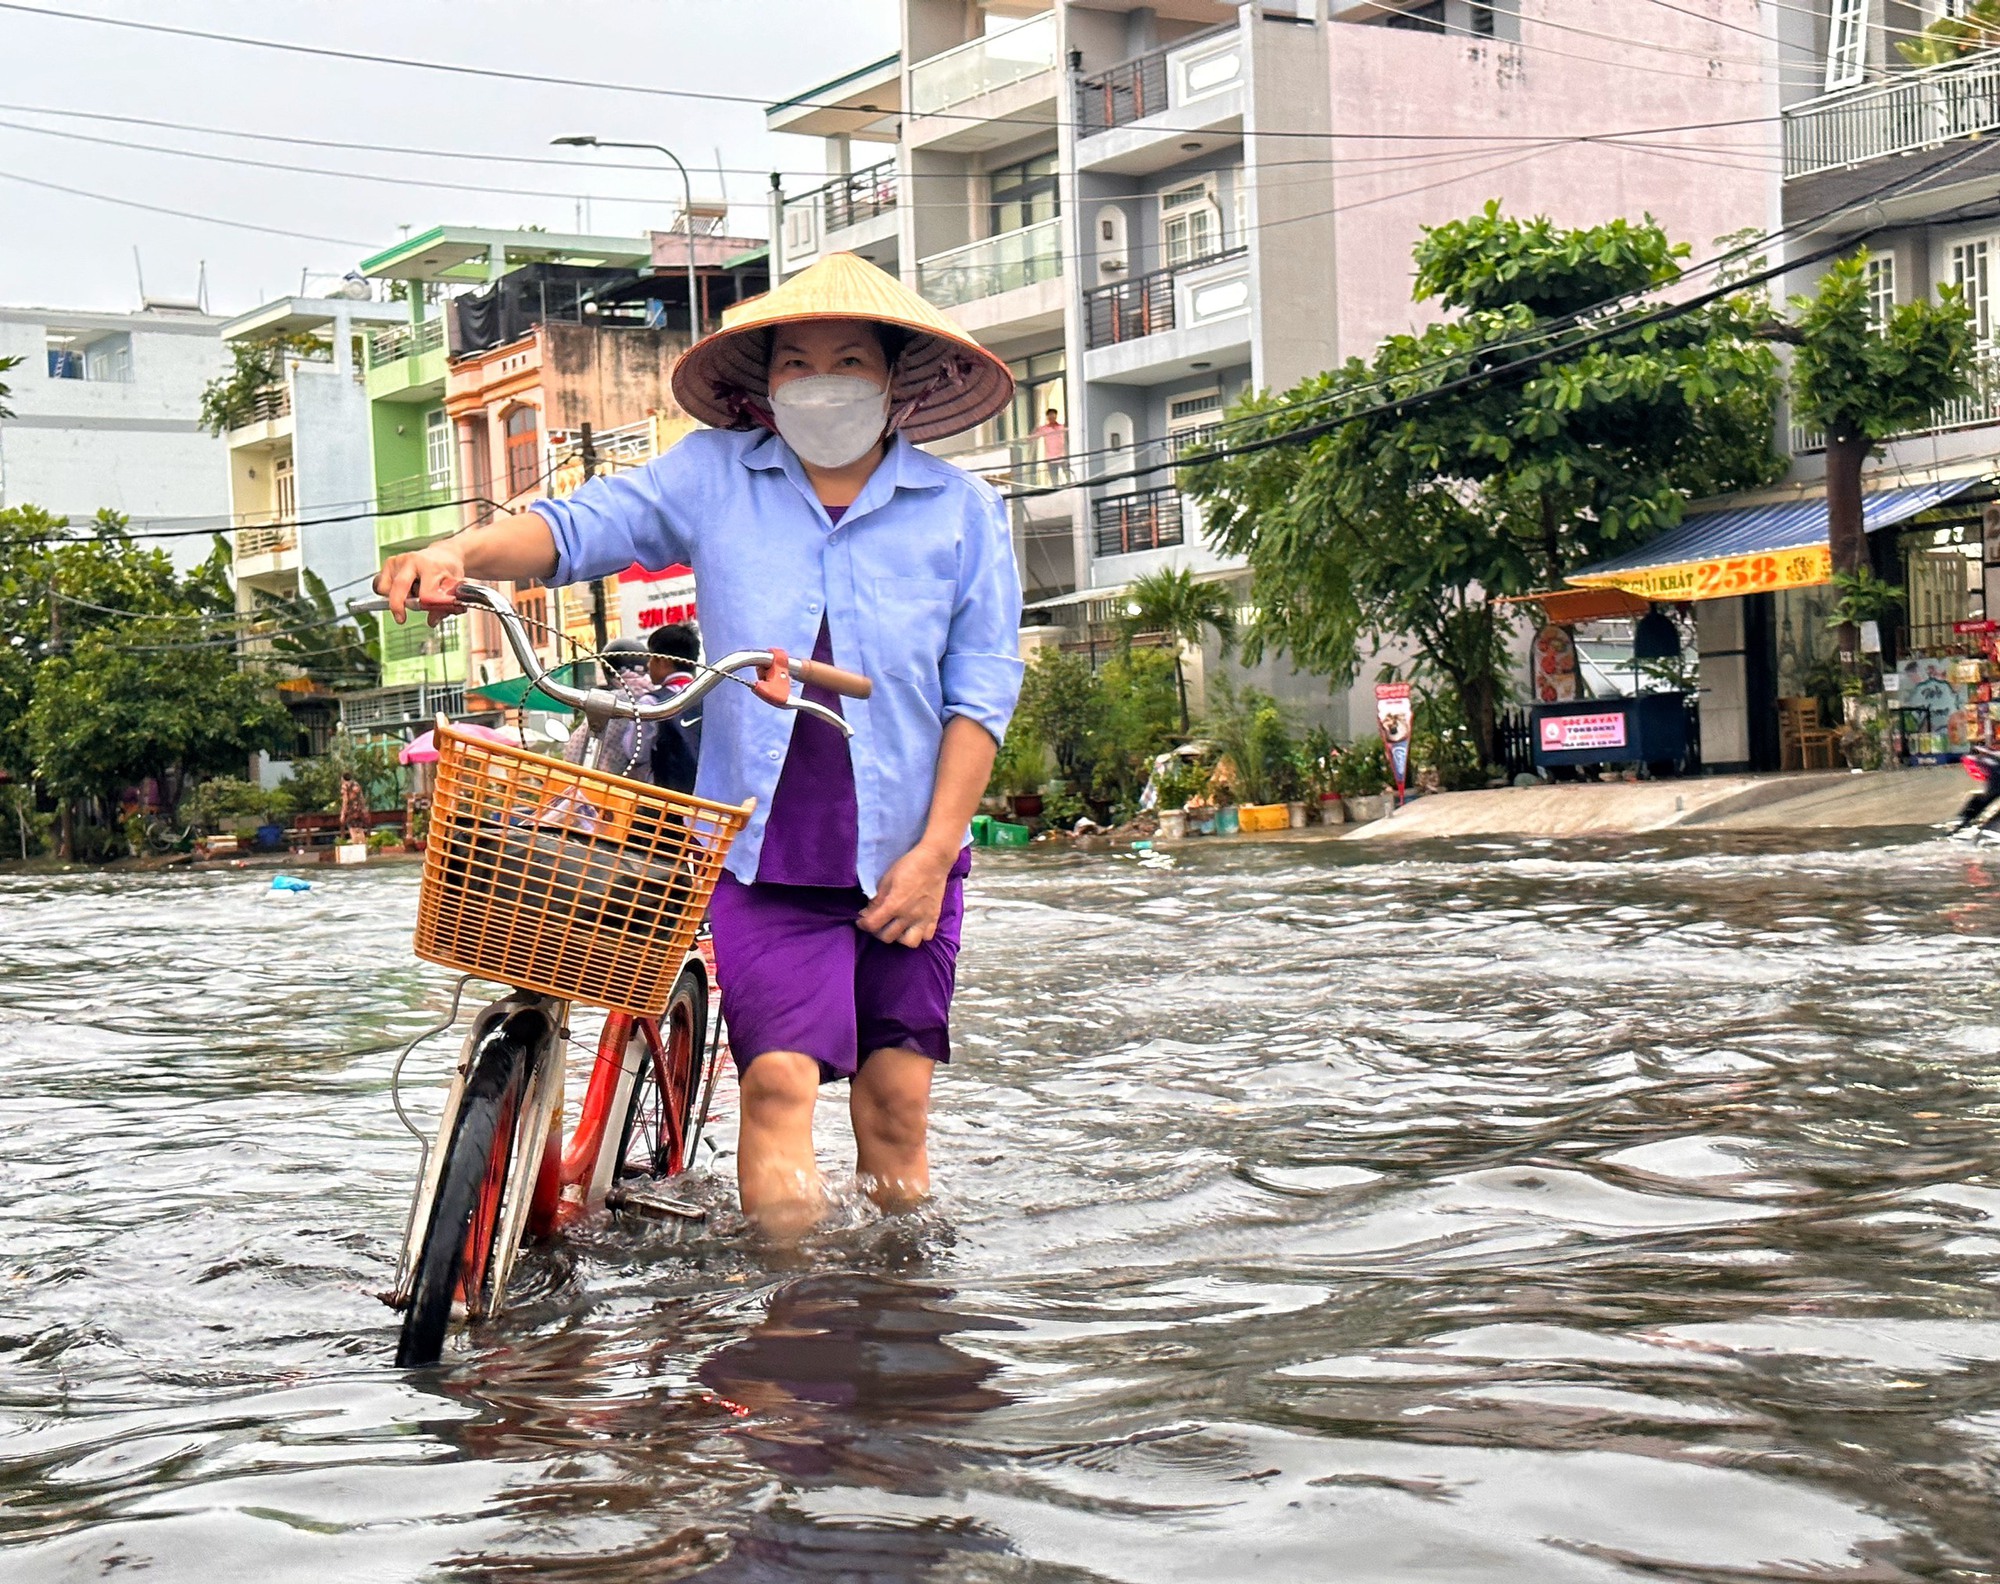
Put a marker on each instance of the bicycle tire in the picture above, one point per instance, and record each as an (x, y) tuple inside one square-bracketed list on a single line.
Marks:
[(470, 1182), (653, 1140)]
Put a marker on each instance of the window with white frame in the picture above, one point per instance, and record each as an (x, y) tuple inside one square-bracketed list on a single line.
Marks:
[(437, 447), (1846, 44), (284, 490), (1969, 273), (1193, 419), (1190, 224), (1239, 209), (1881, 287)]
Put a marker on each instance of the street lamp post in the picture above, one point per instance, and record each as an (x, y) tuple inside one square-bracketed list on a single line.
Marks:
[(687, 211)]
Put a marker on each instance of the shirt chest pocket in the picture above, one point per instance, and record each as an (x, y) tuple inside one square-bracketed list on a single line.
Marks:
[(912, 623)]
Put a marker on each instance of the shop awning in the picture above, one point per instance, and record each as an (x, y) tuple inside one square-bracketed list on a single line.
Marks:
[(1567, 607), (1752, 549), (513, 691)]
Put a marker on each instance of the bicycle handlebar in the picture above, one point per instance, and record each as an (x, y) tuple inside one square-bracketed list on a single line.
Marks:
[(599, 705)]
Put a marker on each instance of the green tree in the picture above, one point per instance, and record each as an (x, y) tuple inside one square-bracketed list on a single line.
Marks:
[(308, 632), (117, 707), (1412, 521), (1976, 27), (1860, 381), (1136, 721), (5, 364), (1063, 707), (1170, 601), (229, 401), (116, 667)]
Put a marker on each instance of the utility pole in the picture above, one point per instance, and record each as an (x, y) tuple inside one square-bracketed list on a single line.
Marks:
[(599, 618), (67, 847)]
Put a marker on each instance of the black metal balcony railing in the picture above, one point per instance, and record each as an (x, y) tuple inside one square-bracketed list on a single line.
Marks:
[(1128, 92), (861, 196), (1139, 307), (1147, 520), (1134, 89)]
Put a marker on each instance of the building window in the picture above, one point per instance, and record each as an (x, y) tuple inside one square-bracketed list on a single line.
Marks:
[(1038, 386), (1881, 288), (1193, 419), (437, 448), (1239, 208), (77, 355), (1190, 224), (1482, 18), (284, 491), (1024, 194), (1846, 44), (1969, 275), (524, 452)]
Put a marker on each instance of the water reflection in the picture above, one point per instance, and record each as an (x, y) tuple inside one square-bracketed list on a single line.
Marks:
[(1521, 1211)]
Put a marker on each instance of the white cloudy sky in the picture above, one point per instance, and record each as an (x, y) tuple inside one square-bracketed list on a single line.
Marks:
[(60, 249)]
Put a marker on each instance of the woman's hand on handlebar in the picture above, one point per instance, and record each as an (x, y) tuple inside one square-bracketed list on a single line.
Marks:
[(432, 574)]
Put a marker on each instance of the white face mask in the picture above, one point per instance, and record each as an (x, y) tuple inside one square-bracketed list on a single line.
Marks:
[(830, 419)]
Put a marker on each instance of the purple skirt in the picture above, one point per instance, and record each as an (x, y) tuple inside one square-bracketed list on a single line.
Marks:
[(797, 974)]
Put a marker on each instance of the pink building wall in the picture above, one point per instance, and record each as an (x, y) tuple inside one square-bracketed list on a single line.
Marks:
[(1559, 82)]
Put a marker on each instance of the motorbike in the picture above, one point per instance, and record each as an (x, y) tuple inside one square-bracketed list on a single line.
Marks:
[(1973, 822)]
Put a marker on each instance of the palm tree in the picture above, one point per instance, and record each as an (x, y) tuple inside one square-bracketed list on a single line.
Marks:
[(1170, 601)]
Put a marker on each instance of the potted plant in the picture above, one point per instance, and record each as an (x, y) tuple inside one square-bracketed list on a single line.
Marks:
[(1249, 728), (1317, 756), (1361, 777)]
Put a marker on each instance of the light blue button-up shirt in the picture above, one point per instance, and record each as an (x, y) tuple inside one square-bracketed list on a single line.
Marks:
[(916, 583)]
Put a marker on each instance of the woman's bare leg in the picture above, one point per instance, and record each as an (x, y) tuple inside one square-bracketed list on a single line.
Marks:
[(775, 1170), (890, 1107)]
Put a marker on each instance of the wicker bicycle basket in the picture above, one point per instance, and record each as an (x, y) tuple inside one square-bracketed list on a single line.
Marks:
[(552, 877)]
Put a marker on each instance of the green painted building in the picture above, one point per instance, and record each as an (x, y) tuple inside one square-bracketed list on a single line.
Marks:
[(414, 442)]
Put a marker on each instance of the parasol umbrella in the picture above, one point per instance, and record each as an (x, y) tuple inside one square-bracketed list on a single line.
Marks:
[(424, 749)]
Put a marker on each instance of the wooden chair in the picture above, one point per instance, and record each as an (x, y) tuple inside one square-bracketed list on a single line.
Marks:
[(1804, 744)]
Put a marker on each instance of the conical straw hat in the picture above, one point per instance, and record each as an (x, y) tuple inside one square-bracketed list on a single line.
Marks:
[(953, 380)]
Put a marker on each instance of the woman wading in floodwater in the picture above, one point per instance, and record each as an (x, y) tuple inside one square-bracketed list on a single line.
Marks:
[(812, 522)]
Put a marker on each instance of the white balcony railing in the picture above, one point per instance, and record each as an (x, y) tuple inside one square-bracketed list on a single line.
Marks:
[(996, 61), (386, 346), (266, 541), (1974, 410), (1911, 111), (998, 264)]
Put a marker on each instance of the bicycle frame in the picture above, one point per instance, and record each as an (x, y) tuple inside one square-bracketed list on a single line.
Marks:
[(551, 1183)]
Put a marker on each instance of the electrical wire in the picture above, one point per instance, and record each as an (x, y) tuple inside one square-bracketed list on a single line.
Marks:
[(504, 74), (178, 214), (1624, 328)]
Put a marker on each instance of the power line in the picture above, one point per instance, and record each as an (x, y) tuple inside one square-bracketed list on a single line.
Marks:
[(178, 214), (503, 74), (1662, 315)]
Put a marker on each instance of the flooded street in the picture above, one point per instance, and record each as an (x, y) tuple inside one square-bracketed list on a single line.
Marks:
[(1513, 1211)]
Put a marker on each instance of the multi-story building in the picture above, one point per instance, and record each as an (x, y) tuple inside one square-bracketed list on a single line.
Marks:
[(106, 414), (512, 343), (1150, 209), (301, 480), (1886, 153)]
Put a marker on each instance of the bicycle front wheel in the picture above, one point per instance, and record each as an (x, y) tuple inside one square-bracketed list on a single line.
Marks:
[(457, 1253), (654, 1140)]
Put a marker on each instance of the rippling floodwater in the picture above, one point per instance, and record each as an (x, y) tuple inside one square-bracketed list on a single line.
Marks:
[(1516, 1211)]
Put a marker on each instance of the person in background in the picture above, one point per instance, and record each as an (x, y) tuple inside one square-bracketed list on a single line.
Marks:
[(353, 809), (676, 651), (1054, 441), (628, 745)]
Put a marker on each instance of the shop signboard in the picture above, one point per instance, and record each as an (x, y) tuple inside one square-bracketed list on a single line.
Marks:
[(1396, 718), (1803, 567), (1553, 659), (648, 600), (1578, 733)]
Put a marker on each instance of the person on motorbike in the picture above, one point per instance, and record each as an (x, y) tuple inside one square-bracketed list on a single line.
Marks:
[(813, 523)]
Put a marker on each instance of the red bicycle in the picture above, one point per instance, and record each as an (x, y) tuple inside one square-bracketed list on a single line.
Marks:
[(573, 885)]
